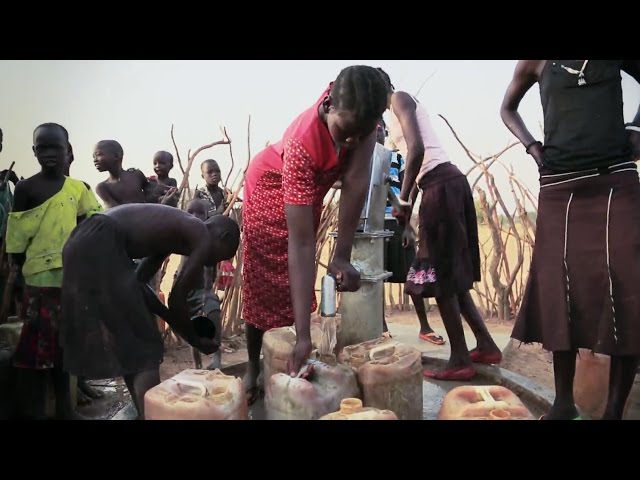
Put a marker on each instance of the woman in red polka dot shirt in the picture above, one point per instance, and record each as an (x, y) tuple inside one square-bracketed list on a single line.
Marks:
[(284, 190)]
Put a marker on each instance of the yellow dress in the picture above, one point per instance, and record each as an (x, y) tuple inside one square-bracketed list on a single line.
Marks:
[(42, 232)]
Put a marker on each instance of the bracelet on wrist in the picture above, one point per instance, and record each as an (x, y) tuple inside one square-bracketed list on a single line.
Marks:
[(528, 147)]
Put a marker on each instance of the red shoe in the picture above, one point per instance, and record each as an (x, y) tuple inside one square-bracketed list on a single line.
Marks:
[(489, 358), (432, 337), (451, 374)]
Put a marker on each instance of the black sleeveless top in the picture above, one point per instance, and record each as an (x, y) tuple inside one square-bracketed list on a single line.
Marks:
[(583, 124)]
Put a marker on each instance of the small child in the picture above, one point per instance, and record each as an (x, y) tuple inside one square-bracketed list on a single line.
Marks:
[(122, 186), (47, 208), (211, 192), (162, 188), (201, 298)]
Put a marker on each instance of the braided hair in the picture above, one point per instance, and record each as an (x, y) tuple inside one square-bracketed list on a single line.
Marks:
[(386, 78), (362, 91)]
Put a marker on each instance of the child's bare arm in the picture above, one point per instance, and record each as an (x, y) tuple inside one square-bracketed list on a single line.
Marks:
[(105, 195), (141, 176), (170, 198), (20, 203), (88, 204), (178, 297), (18, 259), (414, 194), (149, 266), (20, 197), (177, 272)]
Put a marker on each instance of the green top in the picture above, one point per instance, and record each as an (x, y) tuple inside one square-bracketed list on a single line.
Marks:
[(42, 232)]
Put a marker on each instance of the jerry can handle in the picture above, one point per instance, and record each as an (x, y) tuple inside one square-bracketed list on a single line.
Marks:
[(203, 390)]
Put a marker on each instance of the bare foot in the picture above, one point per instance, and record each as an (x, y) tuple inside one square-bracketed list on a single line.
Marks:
[(562, 413), (216, 362), (252, 384), (197, 358)]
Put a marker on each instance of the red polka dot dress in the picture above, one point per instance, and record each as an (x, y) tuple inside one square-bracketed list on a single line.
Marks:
[(298, 170)]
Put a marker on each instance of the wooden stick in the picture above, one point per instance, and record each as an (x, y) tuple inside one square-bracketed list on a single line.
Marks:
[(177, 151)]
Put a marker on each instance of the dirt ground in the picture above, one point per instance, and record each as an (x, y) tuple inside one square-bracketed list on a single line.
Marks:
[(530, 361), (179, 357)]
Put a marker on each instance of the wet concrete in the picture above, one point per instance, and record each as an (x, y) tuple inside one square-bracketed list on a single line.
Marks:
[(128, 412), (536, 398), (116, 401), (408, 335), (433, 393)]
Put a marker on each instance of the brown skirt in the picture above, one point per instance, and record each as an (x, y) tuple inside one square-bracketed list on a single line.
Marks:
[(583, 289), (448, 261)]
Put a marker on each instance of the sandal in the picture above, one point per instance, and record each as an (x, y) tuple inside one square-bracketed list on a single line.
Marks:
[(488, 358), (432, 337), (451, 374)]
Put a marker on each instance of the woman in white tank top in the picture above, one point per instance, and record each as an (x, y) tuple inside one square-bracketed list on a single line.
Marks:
[(431, 154), (448, 260)]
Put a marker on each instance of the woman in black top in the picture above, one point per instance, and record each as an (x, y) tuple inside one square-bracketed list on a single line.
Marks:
[(583, 282)]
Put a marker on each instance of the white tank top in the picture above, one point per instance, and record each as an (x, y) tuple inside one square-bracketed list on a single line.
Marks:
[(434, 154)]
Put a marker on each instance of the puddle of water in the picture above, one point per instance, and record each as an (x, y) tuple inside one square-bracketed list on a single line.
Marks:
[(128, 412), (116, 398)]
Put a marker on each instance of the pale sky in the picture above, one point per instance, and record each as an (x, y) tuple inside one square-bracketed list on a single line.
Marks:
[(136, 101)]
